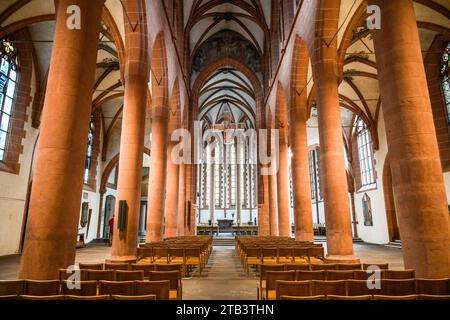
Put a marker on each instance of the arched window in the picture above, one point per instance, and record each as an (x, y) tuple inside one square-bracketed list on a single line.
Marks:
[(365, 153), (445, 72), (87, 166), (8, 78)]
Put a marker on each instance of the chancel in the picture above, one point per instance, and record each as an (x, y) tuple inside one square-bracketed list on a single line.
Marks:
[(224, 150)]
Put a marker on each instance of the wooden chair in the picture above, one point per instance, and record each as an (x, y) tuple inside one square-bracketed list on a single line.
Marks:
[(115, 287), (315, 254), (384, 297), (12, 287), (161, 289), (432, 286), (333, 297), (129, 275), (381, 266), (143, 267), (50, 297), (146, 297), (91, 266), (398, 287), (300, 255), (63, 274), (117, 266), (363, 275), (360, 288), (262, 276), (348, 266), (300, 267), (253, 257), (323, 267), (398, 274), (41, 287), (272, 277), (193, 257), (88, 298), (81, 288), (160, 255), (328, 288), (339, 275), (170, 267), (310, 275), (310, 298), (269, 255), (145, 253), (433, 297), (292, 288), (107, 275), (285, 255), (175, 282), (176, 255)]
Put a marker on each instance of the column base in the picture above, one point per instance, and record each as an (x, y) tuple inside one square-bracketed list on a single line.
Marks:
[(122, 259), (341, 259)]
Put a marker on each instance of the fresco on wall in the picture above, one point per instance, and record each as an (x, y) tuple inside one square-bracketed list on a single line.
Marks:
[(227, 43)]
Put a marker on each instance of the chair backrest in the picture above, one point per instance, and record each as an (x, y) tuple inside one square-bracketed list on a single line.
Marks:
[(254, 252), (41, 287), (80, 288), (316, 252), (300, 252), (292, 288), (398, 287), (302, 267), (285, 252), (192, 253), (12, 287), (333, 297), (116, 266), (269, 252), (309, 298), (88, 298), (273, 276), (172, 276), (310, 275), (115, 287), (433, 286), (364, 275), (381, 266), (129, 275), (144, 267), (65, 274), (169, 267), (50, 297), (146, 297), (348, 266), (90, 266), (143, 252), (176, 253), (433, 297), (10, 297), (362, 288), (398, 274), (329, 287), (339, 275), (160, 253), (160, 289), (405, 297), (269, 267), (324, 266), (107, 275)]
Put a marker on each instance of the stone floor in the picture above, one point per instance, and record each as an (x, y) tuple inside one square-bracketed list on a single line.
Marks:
[(223, 277)]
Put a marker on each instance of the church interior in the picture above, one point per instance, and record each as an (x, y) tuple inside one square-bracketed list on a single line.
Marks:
[(225, 150)]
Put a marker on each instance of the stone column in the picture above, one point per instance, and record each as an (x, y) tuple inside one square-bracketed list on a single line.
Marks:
[(212, 202), (124, 245), (239, 153), (54, 209), (284, 215), (171, 205), (332, 158), (181, 200), (300, 173), (419, 192), (273, 205)]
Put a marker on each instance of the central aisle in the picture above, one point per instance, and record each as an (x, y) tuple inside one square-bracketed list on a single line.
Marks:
[(222, 279)]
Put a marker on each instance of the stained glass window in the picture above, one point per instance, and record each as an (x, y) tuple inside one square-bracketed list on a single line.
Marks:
[(8, 78), (90, 145), (365, 153), (445, 73)]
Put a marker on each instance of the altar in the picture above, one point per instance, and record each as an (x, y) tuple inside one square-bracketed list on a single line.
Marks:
[(225, 225)]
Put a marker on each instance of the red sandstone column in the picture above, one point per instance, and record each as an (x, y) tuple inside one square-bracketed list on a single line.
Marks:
[(300, 174), (332, 158), (263, 208), (171, 205), (284, 215), (132, 136), (58, 177), (181, 200), (419, 191)]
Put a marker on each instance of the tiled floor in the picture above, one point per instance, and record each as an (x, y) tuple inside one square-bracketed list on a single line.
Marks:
[(223, 277)]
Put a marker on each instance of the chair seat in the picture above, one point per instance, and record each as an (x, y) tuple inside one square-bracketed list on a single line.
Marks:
[(271, 295), (253, 261), (299, 260), (173, 294), (316, 260)]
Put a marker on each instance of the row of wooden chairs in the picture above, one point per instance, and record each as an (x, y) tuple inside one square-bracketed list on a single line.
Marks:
[(84, 298), (323, 267), (124, 267), (162, 289), (368, 297), (386, 287)]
